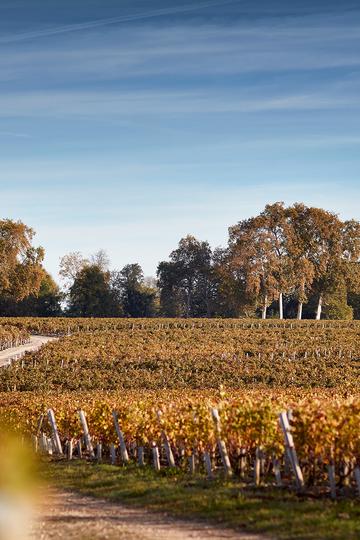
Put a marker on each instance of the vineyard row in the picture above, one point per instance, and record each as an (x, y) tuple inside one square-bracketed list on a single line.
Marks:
[(315, 446), (64, 326)]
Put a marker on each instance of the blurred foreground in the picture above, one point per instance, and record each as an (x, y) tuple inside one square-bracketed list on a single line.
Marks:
[(19, 494)]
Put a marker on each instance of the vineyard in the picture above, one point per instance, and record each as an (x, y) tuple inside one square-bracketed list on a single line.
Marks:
[(61, 326), (189, 355), (274, 403), (12, 336), (243, 438)]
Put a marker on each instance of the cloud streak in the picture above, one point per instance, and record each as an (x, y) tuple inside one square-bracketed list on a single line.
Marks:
[(14, 134), (36, 34), (185, 52), (92, 104)]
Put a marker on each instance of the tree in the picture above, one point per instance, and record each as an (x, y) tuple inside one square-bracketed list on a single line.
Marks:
[(100, 259), (301, 244), (334, 249), (74, 262), (20, 262), (137, 299), (170, 294), (46, 303), (185, 282), (251, 253), (91, 294), (274, 220), (298, 252), (70, 266), (230, 298), (337, 303)]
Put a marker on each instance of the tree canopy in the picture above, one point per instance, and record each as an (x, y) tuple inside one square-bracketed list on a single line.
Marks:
[(295, 261), (21, 270)]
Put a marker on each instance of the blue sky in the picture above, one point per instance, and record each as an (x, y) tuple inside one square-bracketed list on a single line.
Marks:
[(126, 125)]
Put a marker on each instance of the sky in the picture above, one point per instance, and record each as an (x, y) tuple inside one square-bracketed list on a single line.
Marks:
[(127, 124)]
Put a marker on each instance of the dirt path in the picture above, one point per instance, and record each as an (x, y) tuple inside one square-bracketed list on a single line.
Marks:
[(35, 343), (71, 516)]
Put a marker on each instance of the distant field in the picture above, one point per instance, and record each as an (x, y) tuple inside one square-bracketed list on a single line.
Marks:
[(108, 354), (63, 325)]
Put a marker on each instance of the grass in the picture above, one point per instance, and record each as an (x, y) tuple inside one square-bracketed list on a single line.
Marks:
[(276, 513)]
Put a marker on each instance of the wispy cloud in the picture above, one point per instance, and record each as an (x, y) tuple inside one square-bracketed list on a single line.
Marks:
[(92, 104), (14, 134), (15, 38), (186, 51)]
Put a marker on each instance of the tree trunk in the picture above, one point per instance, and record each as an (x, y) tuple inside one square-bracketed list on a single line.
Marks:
[(300, 310), (319, 308), (281, 306), (264, 310)]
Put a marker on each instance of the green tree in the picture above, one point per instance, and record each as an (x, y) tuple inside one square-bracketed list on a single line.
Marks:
[(231, 298), (337, 303), (91, 294), (136, 298), (46, 303), (170, 294), (185, 282)]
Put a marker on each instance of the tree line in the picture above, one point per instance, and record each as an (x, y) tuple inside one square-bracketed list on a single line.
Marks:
[(286, 262)]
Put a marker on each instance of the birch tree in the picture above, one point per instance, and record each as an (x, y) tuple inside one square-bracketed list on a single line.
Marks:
[(275, 220), (251, 250), (260, 247), (301, 244)]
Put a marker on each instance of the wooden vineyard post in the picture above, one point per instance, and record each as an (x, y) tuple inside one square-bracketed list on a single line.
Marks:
[(208, 467), (43, 443), (257, 466), (242, 463), (35, 443), (50, 446), (141, 460), (357, 479), (346, 470), (87, 436), (70, 449), (99, 452), (40, 423), (112, 454), (221, 444), (332, 481), (79, 449), (156, 457), (192, 463), (290, 447), (168, 451), (123, 450), (55, 433), (277, 472)]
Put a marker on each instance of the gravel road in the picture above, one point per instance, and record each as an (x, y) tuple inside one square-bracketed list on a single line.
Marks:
[(72, 516)]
